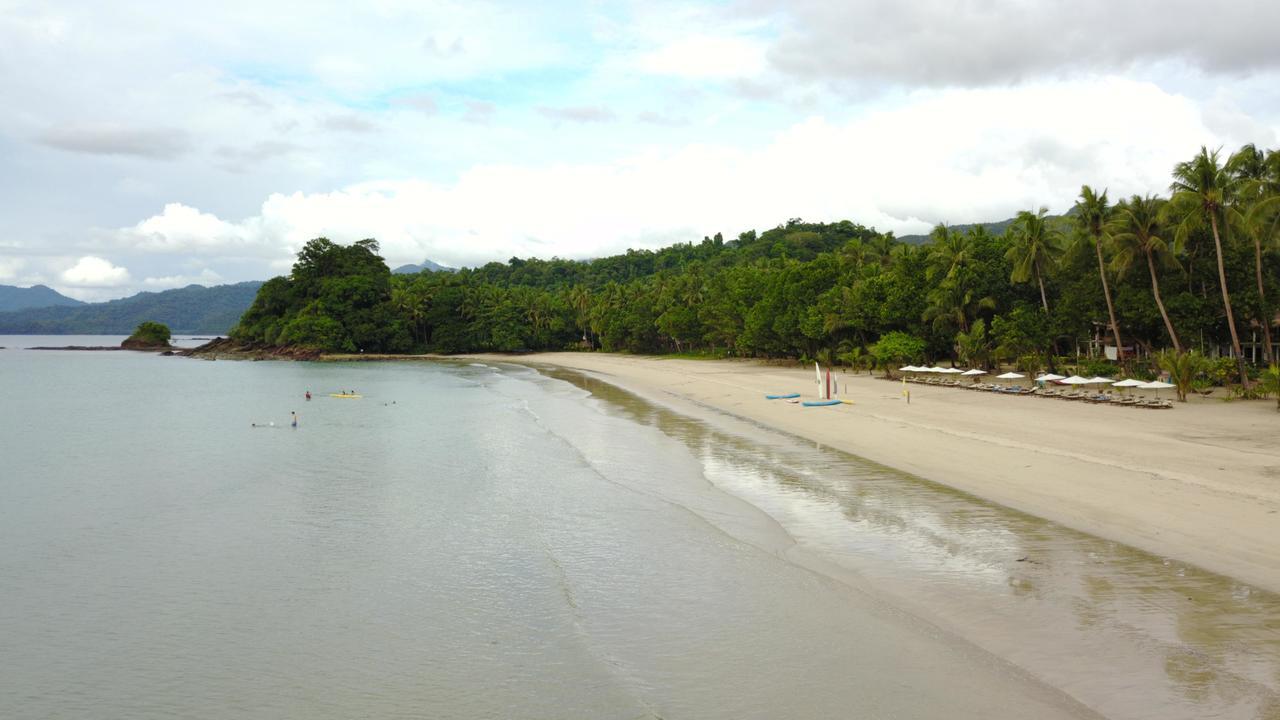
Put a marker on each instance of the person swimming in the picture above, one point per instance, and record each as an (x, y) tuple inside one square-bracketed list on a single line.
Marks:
[(308, 395), (294, 416)]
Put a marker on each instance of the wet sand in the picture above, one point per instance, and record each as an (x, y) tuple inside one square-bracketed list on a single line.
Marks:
[(1199, 484)]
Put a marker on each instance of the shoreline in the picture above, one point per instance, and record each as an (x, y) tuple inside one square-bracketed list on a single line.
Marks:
[(1200, 484)]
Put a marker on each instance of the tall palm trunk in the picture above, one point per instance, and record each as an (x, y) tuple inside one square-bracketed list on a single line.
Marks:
[(1226, 300), (1043, 298), (1267, 317), (1106, 291), (1155, 289)]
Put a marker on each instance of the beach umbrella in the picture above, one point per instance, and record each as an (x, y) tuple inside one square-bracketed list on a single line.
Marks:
[(1127, 383), (1074, 380), (1155, 385), (908, 368), (974, 371), (1010, 376), (953, 371), (1049, 376), (937, 369), (1099, 380)]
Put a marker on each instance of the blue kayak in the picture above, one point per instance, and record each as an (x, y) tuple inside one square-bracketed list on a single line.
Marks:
[(782, 397), (819, 403)]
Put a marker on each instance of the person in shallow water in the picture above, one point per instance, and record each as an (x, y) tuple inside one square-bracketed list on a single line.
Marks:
[(308, 395), (294, 416)]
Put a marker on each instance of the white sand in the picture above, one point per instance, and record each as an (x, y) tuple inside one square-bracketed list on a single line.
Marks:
[(1199, 483)]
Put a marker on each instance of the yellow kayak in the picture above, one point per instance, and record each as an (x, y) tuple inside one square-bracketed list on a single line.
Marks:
[(344, 395)]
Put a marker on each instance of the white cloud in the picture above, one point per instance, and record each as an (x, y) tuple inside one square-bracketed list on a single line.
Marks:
[(10, 267), (180, 228), (943, 42), (954, 156), (706, 56), (94, 272), (205, 277)]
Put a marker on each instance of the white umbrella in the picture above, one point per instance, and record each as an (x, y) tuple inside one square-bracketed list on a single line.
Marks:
[(974, 371), (1127, 383), (908, 368), (937, 369), (1075, 380), (1049, 376), (1010, 376), (1155, 385), (1099, 380), (953, 371)]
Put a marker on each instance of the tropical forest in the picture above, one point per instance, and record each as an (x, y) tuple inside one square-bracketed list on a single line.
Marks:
[(1186, 281)]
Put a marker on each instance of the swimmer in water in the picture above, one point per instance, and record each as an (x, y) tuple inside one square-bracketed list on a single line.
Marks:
[(295, 418)]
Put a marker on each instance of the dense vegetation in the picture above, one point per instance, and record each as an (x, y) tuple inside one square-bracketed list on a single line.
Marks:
[(190, 310), (1199, 269), (149, 334)]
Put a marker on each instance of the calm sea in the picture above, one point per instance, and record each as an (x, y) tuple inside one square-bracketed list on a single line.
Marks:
[(467, 541)]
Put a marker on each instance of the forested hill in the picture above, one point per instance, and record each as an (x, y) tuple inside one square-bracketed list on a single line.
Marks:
[(190, 310), (16, 298)]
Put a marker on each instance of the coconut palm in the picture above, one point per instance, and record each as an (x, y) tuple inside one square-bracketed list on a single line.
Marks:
[(953, 306), (1182, 368), (950, 251), (1203, 191), (1092, 214), (1258, 177), (1137, 233), (1036, 246)]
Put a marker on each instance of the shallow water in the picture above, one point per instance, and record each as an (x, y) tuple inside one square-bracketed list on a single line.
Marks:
[(466, 541), (1128, 633)]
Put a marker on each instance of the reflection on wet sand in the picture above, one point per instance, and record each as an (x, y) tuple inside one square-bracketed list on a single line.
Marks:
[(1128, 633)]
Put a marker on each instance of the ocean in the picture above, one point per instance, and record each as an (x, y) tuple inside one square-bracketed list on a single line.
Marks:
[(478, 540)]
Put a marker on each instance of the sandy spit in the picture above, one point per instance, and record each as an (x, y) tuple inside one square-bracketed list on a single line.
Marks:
[(1199, 483)]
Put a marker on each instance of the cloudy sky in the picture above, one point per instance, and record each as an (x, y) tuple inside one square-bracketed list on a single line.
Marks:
[(148, 145)]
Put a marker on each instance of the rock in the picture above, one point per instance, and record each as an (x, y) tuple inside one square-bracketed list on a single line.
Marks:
[(141, 344)]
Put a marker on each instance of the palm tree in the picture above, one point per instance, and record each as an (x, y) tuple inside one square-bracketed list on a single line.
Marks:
[(1092, 214), (1036, 246), (1258, 176), (1136, 233), (580, 300), (1203, 190), (1182, 368), (951, 305), (949, 252)]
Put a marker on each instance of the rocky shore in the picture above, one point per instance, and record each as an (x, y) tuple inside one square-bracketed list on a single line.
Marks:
[(229, 349)]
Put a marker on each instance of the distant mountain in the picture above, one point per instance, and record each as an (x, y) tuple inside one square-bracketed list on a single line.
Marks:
[(36, 296), (995, 228), (194, 309), (426, 265)]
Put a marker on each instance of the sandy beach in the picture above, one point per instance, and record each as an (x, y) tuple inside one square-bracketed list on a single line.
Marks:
[(1199, 483)]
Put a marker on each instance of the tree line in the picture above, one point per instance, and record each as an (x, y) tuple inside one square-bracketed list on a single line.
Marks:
[(1198, 268)]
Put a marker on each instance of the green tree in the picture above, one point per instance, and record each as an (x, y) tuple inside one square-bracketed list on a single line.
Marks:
[(1183, 367), (150, 333), (1202, 193), (1093, 212), (1269, 383), (895, 349), (974, 347), (1257, 175), (1137, 232), (1035, 248)]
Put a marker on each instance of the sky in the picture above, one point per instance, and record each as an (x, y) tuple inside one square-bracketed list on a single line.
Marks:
[(150, 145)]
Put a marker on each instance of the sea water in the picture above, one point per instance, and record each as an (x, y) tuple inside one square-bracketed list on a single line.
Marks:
[(474, 541)]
